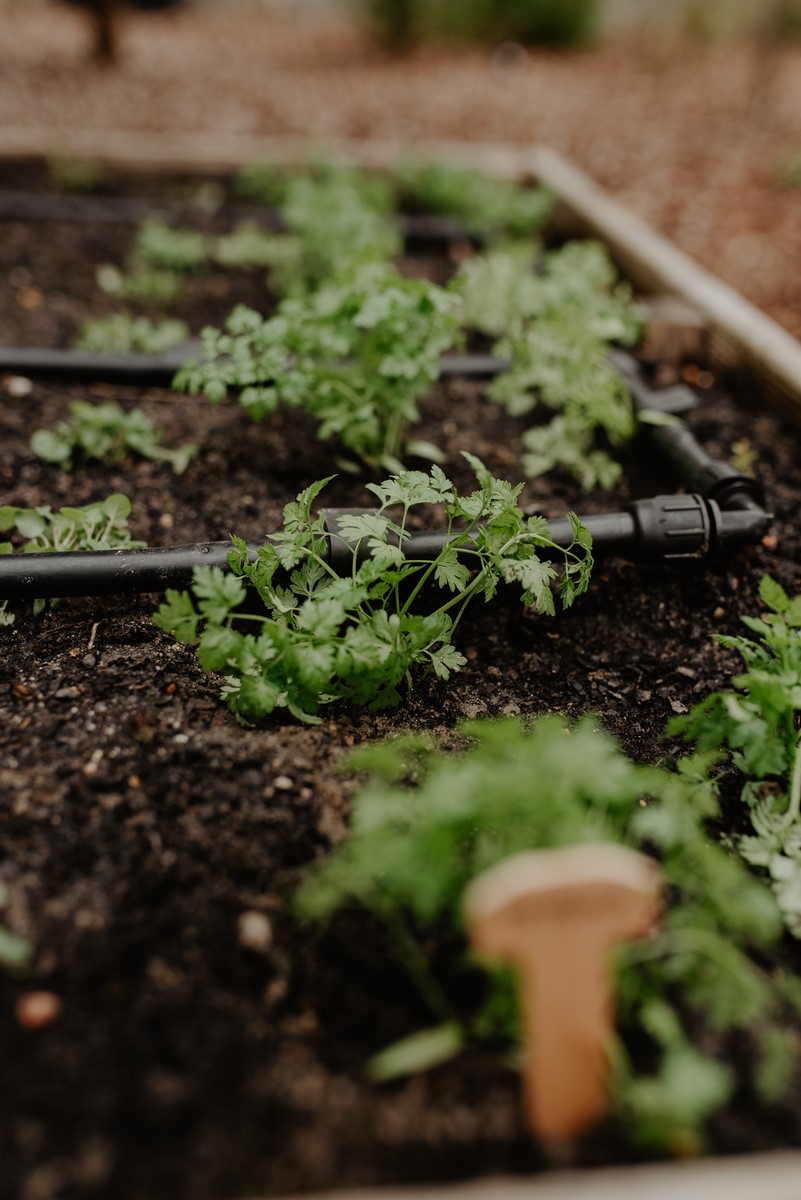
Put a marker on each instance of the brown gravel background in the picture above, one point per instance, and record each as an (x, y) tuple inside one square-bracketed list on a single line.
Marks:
[(689, 136)]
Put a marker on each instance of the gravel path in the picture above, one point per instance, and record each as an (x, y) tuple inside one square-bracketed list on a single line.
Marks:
[(690, 137)]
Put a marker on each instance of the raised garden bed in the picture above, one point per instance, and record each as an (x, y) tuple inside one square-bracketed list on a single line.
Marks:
[(206, 1044)]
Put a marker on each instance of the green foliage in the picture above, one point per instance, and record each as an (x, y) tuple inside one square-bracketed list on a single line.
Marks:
[(358, 356), (758, 722), (559, 322), (789, 168), (67, 173), (508, 287), (126, 334), (361, 637), (106, 432), (263, 181), (102, 525), (169, 248), (160, 256), (492, 209), (412, 850), (552, 22), (140, 284), (247, 247), (15, 953), (336, 221)]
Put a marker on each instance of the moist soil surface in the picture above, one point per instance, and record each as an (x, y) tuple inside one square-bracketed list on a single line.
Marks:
[(207, 1045)]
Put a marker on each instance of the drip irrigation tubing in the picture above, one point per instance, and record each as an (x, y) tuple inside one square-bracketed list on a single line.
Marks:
[(159, 370), (723, 511), (129, 210), (652, 530)]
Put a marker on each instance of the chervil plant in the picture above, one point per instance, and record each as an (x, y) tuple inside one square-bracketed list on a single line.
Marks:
[(160, 255), (247, 247), (126, 334), (362, 637), (336, 221), (169, 248), (357, 355), (102, 525), (559, 321), (492, 209), (412, 850), (108, 433), (141, 284), (759, 722)]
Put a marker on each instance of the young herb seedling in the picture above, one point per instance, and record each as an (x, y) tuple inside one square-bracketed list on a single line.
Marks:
[(168, 248), (123, 333), (412, 851), (362, 637), (358, 356), (140, 284), (492, 209), (558, 323), (108, 433), (759, 722), (336, 221), (99, 526)]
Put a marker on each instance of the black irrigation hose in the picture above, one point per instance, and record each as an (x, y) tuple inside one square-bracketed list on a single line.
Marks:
[(128, 210), (159, 370), (661, 528), (78, 366), (723, 512), (696, 469)]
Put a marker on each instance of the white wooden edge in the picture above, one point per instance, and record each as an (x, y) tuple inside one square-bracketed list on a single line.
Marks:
[(775, 1176), (739, 333)]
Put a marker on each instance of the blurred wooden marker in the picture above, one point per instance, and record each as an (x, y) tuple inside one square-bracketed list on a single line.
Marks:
[(556, 914)]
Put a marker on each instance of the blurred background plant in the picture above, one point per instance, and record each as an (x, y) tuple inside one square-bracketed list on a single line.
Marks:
[(401, 24)]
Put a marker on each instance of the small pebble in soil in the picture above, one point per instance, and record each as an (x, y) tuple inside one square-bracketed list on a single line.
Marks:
[(37, 1010), (283, 783), (255, 932), (18, 386), (93, 766)]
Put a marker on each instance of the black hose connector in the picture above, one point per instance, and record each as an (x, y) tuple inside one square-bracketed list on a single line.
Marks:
[(718, 481)]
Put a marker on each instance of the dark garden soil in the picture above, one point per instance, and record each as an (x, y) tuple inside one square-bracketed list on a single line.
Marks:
[(207, 1046)]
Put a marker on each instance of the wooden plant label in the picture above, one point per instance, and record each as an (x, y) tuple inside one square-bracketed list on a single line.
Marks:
[(556, 914)]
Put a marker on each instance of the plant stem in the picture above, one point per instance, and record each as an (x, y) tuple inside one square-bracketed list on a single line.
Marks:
[(416, 963)]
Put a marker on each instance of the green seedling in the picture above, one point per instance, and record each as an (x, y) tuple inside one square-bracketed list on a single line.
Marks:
[(169, 248), (758, 722), (336, 223), (560, 321), (362, 637), (492, 209), (358, 356), (102, 525), (160, 256), (428, 821), (123, 333), (108, 433), (141, 284), (246, 248)]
